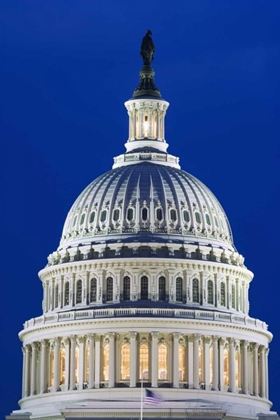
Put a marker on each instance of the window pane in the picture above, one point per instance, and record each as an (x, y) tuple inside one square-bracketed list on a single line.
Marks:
[(186, 215), (208, 221), (144, 361), (79, 292), (66, 296), (197, 217), (93, 287), (233, 296), (161, 289), (105, 367), (144, 288), (109, 289), (56, 296), (74, 221), (195, 291), (82, 219), (92, 216), (216, 221), (130, 214), (223, 294), (226, 371), (125, 362), (116, 215), (126, 288), (179, 289), (51, 368), (173, 215), (103, 216), (159, 214), (144, 214), (182, 363), (62, 366), (162, 362), (210, 298)]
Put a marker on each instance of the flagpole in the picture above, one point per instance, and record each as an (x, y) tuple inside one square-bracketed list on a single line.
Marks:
[(141, 412)]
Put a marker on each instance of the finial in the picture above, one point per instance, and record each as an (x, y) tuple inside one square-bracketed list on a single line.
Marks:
[(147, 48)]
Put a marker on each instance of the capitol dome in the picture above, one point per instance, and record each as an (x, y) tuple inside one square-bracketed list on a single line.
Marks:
[(146, 290)]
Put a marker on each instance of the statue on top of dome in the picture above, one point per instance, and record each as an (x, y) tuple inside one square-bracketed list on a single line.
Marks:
[(147, 48)]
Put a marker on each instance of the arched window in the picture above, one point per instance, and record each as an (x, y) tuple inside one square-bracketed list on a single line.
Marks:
[(144, 214), (125, 362), (195, 290), (173, 215), (62, 367), (186, 216), (226, 367), (74, 221), (130, 214), (116, 215), (56, 297), (126, 288), (144, 361), (105, 363), (109, 289), (179, 289), (51, 368), (210, 295), (233, 296), (144, 288), (223, 294), (161, 289), (207, 217), (237, 370), (159, 214), (182, 362), (76, 364), (66, 294), (200, 363), (162, 362), (103, 216), (79, 289), (82, 219), (92, 217), (93, 290), (197, 217)]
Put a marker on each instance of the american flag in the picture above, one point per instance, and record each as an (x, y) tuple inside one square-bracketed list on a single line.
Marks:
[(152, 398)]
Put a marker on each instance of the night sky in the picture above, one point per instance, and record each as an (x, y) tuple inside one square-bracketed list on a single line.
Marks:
[(67, 67)]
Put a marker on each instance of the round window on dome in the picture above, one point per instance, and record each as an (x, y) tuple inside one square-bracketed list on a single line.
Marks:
[(82, 219), (186, 216), (173, 215), (92, 217), (207, 217), (130, 214), (103, 216), (144, 214), (197, 217), (116, 215), (159, 214)]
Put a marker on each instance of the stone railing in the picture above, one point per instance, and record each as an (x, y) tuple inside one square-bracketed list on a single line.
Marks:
[(145, 312)]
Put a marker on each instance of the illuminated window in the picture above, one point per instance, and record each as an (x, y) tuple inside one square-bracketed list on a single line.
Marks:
[(162, 362), (144, 214), (87, 364), (182, 362), (226, 367), (233, 296), (92, 217), (207, 217), (200, 364), (109, 289), (173, 215), (56, 296), (146, 126), (103, 216), (79, 289), (105, 367), (237, 370), (186, 216), (210, 295), (223, 294), (161, 289), (76, 364), (125, 362), (62, 366), (197, 217), (116, 215), (126, 288), (66, 294), (93, 290), (195, 290), (130, 214), (144, 361), (144, 288), (159, 214), (51, 373), (82, 219), (179, 289), (211, 364)]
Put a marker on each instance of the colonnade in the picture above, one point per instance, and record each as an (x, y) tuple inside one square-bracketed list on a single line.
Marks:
[(167, 360)]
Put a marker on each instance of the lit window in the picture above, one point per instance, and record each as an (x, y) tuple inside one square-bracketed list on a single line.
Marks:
[(159, 214), (144, 214), (237, 370), (179, 289), (197, 217), (93, 289), (79, 290), (226, 368), (144, 288), (186, 216), (62, 366), (125, 362), (51, 372), (126, 288), (233, 296), (210, 295), (56, 297), (130, 214), (195, 290), (82, 219), (161, 289), (173, 215), (144, 362), (76, 364), (162, 362), (103, 216), (105, 367), (66, 294), (109, 289), (116, 215), (223, 294), (182, 363), (92, 217), (87, 364), (207, 217)]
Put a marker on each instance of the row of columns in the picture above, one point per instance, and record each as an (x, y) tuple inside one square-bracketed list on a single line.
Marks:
[(253, 358)]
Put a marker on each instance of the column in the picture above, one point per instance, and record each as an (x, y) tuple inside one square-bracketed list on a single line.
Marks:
[(206, 354), (245, 367), (190, 361), (133, 359), (33, 368), (175, 360), (27, 370), (56, 364), (111, 360), (255, 370), (196, 362), (43, 370), (81, 341), (266, 373), (72, 362), (23, 371), (215, 364), (154, 359), (97, 361), (263, 373), (67, 363), (91, 362), (221, 361), (231, 365)]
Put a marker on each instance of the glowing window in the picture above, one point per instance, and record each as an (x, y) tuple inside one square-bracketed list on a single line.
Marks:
[(82, 219), (109, 289), (233, 296), (125, 362), (207, 217), (92, 217), (62, 366), (197, 217), (116, 215), (87, 364), (144, 214), (144, 361), (186, 216), (76, 364), (223, 294), (103, 216), (105, 367), (66, 294), (162, 362), (182, 362), (144, 288), (159, 214), (179, 289), (56, 296), (237, 370), (51, 371), (173, 215), (226, 367), (126, 288), (130, 214), (93, 290), (79, 289), (161, 289), (210, 295), (195, 290)]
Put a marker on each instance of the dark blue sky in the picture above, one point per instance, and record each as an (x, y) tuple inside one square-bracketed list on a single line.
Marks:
[(66, 69)]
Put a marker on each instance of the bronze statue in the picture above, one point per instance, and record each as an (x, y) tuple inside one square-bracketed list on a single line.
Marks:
[(147, 49)]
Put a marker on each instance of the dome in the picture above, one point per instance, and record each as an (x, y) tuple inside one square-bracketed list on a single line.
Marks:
[(150, 201)]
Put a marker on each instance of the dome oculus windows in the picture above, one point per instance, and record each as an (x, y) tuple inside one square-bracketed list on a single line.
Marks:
[(82, 219), (207, 217)]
